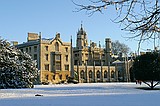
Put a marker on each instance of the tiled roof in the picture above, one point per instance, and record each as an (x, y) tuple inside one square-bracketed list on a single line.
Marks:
[(31, 43)]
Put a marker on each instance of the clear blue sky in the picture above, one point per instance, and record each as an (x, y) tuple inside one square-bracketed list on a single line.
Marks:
[(18, 17)]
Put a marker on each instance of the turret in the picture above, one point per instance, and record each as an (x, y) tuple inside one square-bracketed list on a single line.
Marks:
[(81, 38)]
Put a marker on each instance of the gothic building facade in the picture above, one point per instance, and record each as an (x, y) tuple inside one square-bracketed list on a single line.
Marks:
[(92, 63), (58, 60)]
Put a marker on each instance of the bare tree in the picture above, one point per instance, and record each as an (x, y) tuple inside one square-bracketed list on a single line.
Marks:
[(118, 47), (139, 17)]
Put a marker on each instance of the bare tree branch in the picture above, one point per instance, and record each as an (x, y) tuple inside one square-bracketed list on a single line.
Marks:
[(135, 16)]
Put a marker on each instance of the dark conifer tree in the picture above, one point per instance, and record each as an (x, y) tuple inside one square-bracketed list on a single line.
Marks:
[(147, 69)]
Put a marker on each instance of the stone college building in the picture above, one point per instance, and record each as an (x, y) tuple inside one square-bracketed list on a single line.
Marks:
[(58, 60)]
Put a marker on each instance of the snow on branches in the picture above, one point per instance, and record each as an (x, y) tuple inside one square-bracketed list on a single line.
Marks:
[(17, 69)]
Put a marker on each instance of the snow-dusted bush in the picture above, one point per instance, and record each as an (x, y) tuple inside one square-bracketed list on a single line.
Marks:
[(17, 69)]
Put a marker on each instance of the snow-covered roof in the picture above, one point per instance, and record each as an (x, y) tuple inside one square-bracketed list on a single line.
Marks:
[(118, 62)]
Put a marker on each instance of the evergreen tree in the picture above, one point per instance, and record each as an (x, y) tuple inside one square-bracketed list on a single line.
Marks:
[(147, 69), (17, 69)]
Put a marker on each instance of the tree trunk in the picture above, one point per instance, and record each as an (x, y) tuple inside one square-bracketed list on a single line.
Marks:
[(152, 86)]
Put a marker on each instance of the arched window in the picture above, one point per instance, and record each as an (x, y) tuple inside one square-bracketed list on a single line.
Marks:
[(82, 74), (60, 77), (54, 77), (90, 74), (57, 46), (66, 76), (46, 77), (105, 74), (98, 74), (112, 74)]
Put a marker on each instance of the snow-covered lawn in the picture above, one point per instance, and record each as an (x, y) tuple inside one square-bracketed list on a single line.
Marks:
[(95, 94)]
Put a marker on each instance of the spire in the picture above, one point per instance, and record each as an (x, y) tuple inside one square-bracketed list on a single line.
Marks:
[(71, 40), (81, 23), (81, 31), (99, 44), (40, 35)]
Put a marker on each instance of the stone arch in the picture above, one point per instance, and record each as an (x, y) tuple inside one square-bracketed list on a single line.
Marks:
[(66, 76), (112, 74), (46, 77), (90, 74), (60, 77), (105, 74), (54, 77), (98, 74), (82, 74)]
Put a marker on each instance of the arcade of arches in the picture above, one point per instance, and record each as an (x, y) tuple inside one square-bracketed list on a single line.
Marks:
[(91, 74)]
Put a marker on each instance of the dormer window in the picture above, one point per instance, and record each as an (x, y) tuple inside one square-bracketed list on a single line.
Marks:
[(66, 49), (56, 46), (46, 47)]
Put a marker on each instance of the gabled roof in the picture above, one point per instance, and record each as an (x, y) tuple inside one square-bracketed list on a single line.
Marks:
[(118, 62)]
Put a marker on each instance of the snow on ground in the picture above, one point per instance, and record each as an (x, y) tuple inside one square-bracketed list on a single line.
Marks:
[(95, 94)]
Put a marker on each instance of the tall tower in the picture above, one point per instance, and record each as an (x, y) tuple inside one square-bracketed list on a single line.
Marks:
[(81, 38), (108, 56), (108, 51)]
